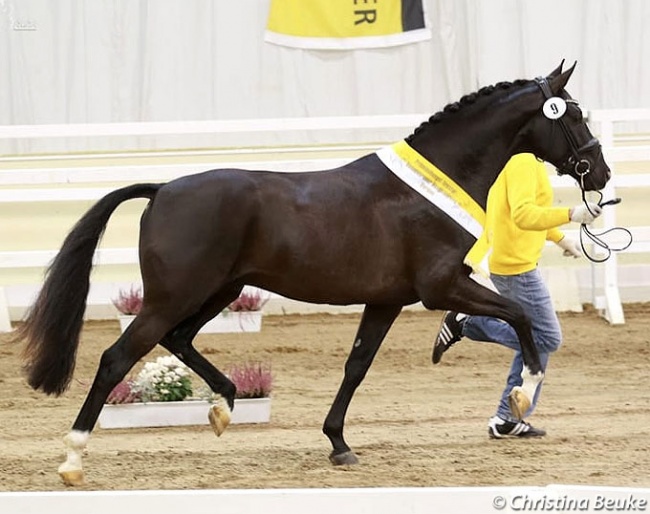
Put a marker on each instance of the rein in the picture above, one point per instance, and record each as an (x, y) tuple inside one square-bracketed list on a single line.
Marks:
[(554, 109), (595, 238)]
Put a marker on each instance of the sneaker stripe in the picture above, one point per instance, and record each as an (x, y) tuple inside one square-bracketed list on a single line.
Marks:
[(445, 334), (517, 429)]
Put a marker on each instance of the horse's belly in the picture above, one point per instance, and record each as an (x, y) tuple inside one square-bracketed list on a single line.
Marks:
[(337, 287)]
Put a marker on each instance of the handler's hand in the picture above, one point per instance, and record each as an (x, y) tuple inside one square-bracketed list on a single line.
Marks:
[(571, 247), (585, 215)]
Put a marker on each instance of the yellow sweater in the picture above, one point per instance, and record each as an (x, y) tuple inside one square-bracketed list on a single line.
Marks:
[(520, 216)]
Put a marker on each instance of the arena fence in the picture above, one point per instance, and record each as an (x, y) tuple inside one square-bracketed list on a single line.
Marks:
[(32, 180), (423, 500)]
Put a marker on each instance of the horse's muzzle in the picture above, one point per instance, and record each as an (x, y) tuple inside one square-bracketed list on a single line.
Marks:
[(588, 168)]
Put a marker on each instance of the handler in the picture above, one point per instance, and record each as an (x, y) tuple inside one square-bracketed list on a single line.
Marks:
[(520, 218)]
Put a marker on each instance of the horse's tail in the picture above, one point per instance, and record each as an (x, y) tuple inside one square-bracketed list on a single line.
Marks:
[(54, 322)]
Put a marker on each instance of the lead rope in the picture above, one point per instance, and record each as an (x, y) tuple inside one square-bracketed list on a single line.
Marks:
[(586, 232)]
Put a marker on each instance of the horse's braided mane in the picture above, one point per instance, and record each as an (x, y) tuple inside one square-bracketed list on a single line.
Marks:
[(466, 100)]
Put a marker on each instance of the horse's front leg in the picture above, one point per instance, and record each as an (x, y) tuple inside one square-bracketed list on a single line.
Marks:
[(469, 297), (375, 322)]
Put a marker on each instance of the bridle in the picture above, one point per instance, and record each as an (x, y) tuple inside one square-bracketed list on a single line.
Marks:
[(581, 166)]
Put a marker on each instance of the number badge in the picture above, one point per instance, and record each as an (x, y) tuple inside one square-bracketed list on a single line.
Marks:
[(554, 108)]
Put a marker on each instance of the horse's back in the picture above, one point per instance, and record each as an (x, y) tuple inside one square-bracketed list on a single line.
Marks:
[(328, 197)]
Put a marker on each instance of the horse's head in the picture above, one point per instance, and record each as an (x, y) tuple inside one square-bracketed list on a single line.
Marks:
[(559, 134)]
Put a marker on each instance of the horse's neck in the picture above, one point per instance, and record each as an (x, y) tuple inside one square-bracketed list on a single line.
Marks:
[(471, 153)]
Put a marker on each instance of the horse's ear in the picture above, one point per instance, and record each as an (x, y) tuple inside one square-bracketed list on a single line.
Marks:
[(557, 83), (556, 71)]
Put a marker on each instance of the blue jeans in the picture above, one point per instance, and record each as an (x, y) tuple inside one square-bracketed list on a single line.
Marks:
[(530, 291)]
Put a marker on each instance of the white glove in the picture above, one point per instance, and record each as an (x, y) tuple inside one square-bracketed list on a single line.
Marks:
[(582, 214), (570, 247)]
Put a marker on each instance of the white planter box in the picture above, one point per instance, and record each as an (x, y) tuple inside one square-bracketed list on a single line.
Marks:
[(125, 320), (189, 412), (243, 321)]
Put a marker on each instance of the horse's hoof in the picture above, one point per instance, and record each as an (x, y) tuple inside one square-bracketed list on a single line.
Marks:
[(345, 458), (219, 416), (519, 402), (72, 478)]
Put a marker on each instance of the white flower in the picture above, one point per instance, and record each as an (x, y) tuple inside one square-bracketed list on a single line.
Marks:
[(164, 379)]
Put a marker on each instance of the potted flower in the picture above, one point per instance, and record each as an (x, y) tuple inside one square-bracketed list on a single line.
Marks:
[(254, 383), (162, 395), (128, 303), (252, 379), (242, 315)]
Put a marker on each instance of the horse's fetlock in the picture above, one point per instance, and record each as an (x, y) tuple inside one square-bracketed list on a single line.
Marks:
[(76, 439), (229, 394), (329, 430)]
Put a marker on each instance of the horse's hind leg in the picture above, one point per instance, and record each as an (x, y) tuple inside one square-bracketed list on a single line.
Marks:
[(469, 297), (139, 339), (220, 411), (375, 323), (179, 342)]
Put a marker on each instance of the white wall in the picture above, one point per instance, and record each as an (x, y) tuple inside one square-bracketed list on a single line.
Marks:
[(149, 60)]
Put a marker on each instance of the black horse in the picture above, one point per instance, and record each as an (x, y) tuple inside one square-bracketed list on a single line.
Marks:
[(357, 234)]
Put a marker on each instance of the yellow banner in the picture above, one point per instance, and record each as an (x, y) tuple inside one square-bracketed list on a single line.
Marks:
[(344, 24)]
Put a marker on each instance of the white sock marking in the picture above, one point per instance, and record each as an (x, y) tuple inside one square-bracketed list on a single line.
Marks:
[(75, 442), (530, 382)]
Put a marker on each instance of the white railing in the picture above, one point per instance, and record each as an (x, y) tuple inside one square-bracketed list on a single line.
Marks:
[(211, 127), (609, 302)]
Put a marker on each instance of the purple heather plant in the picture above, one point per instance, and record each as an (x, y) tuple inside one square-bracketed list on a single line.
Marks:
[(248, 302), (129, 302), (252, 379), (123, 393)]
